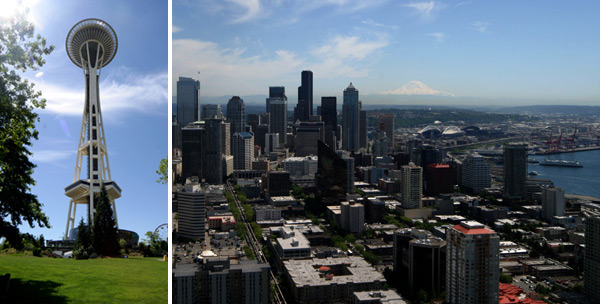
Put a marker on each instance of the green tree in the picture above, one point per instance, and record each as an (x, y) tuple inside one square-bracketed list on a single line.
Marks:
[(505, 278), (155, 245), (20, 50), (105, 237), (83, 243), (163, 171)]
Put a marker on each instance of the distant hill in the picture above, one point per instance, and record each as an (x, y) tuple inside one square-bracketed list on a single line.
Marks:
[(551, 110)]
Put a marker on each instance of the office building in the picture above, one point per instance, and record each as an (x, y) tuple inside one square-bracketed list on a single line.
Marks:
[(191, 150), (438, 178), (378, 297), (304, 109), (236, 114), (212, 153), (301, 166), (191, 210), (412, 186), (188, 101), (307, 136), (362, 128), (350, 166), (472, 264), (243, 150), (291, 244), (260, 136), (329, 117), (515, 170), (475, 173), (210, 111), (277, 109), (387, 120), (215, 280), (226, 138), (591, 261), (271, 142), (351, 120), (353, 217), (427, 264), (331, 181), (278, 183), (553, 202), (330, 280)]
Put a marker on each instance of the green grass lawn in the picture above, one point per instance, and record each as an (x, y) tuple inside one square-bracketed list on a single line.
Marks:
[(111, 280)]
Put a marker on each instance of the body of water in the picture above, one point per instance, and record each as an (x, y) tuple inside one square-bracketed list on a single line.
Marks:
[(583, 181)]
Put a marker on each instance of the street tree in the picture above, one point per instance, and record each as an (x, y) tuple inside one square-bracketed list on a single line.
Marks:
[(20, 50)]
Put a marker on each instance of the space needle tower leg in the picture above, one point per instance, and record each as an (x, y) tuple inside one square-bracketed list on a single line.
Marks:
[(91, 44)]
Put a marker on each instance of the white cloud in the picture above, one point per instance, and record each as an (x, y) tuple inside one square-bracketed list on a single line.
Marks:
[(343, 6), (121, 92), (349, 47), (39, 74), (251, 8), (439, 37), (417, 88), (50, 156), (338, 57), (480, 26), (373, 23), (175, 29), (228, 71), (426, 10)]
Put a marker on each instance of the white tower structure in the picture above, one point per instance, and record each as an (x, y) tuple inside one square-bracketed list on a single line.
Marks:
[(91, 45)]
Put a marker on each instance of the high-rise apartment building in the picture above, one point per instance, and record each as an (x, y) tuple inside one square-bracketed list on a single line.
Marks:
[(553, 202), (472, 264), (353, 217), (591, 262), (236, 114), (351, 120), (243, 150), (188, 101), (476, 173), (427, 264), (515, 170), (412, 186), (277, 109)]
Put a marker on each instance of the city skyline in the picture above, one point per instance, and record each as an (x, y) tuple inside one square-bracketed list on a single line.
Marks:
[(133, 94), (455, 52)]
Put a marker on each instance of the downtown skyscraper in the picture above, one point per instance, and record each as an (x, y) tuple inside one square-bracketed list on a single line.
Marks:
[(277, 109), (351, 120), (188, 102), (305, 97)]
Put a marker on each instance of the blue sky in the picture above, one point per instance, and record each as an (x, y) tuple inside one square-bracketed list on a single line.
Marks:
[(133, 94), (520, 51)]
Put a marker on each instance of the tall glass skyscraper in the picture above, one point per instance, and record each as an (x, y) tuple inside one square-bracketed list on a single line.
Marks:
[(188, 100), (351, 120), (236, 114), (305, 97), (277, 108)]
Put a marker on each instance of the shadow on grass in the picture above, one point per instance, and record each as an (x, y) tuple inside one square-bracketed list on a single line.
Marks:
[(32, 291)]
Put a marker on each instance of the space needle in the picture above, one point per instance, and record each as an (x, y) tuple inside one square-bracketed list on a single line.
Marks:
[(91, 45)]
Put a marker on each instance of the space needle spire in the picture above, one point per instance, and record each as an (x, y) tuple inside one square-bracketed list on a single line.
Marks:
[(91, 45)]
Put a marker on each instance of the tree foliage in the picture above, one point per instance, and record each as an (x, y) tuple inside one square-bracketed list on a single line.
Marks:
[(105, 237), (154, 244), (20, 50), (163, 171), (83, 243)]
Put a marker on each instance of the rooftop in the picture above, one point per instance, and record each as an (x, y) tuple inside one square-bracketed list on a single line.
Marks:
[(305, 272), (472, 227)]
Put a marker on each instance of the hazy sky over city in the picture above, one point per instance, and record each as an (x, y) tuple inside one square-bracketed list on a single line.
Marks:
[(492, 49), (133, 95)]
